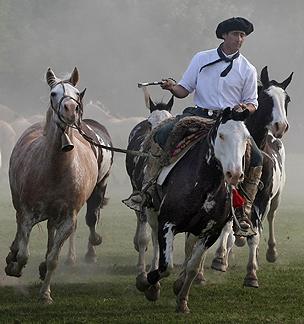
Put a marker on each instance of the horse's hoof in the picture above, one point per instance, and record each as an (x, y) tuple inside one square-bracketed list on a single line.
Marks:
[(153, 292), (177, 286), (12, 270), (240, 241), (142, 282), (218, 265), (153, 277), (46, 300), (70, 261), (271, 256), (95, 239), (10, 258), (199, 279), (182, 307), (251, 283), (42, 270), (89, 258)]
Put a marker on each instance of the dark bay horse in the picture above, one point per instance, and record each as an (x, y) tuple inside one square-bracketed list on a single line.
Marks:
[(53, 172), (267, 126), (134, 165), (195, 198)]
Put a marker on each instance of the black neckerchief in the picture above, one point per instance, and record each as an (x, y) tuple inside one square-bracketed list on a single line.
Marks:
[(223, 57)]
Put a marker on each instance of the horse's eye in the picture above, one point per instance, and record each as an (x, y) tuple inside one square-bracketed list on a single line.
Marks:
[(53, 94), (221, 136)]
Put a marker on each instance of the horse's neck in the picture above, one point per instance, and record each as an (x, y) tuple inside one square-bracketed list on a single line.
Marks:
[(205, 154), (257, 130), (53, 134)]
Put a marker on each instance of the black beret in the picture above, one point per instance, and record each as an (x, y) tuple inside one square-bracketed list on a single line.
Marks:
[(235, 23)]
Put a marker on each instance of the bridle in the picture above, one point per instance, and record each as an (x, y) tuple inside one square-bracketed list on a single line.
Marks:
[(65, 96)]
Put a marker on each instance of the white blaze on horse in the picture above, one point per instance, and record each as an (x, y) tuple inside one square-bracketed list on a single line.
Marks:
[(53, 172), (267, 126)]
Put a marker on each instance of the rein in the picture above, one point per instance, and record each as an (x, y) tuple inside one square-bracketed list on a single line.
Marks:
[(110, 148), (83, 134)]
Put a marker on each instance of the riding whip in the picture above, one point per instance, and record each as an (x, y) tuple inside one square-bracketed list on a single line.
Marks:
[(145, 84)]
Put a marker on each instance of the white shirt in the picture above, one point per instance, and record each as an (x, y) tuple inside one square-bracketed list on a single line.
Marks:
[(215, 92)]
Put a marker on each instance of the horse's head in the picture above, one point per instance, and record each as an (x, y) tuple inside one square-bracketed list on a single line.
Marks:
[(273, 101), (230, 141), (65, 98), (158, 111)]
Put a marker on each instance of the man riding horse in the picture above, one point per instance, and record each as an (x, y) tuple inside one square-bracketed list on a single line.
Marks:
[(219, 78)]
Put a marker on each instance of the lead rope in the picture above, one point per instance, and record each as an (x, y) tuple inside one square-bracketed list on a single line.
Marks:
[(110, 148)]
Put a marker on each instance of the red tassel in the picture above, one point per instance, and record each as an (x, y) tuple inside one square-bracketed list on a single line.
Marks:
[(237, 200)]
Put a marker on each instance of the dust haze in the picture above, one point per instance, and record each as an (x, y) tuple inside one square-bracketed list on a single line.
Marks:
[(116, 44)]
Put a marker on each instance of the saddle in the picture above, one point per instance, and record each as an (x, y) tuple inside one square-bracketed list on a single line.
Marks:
[(168, 142), (175, 135)]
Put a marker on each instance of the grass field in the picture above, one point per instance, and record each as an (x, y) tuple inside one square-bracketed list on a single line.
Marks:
[(105, 292)]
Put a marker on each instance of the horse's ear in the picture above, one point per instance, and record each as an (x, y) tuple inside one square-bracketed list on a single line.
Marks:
[(265, 77), (148, 101), (226, 115), (147, 97), (151, 105), (286, 82), (51, 78), (74, 78), (170, 103), (81, 95)]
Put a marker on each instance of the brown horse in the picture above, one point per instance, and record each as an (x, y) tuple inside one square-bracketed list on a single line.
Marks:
[(53, 172)]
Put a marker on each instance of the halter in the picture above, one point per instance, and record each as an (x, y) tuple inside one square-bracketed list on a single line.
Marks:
[(79, 106)]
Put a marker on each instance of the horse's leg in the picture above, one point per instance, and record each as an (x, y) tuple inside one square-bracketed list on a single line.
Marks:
[(71, 256), (141, 242), (151, 292), (51, 234), (190, 241), (192, 269), (251, 279), (153, 222), (225, 243), (19, 253), (94, 205), (272, 254), (63, 230), (189, 245), (165, 242)]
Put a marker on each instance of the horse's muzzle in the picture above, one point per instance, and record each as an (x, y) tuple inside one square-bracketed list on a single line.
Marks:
[(233, 178)]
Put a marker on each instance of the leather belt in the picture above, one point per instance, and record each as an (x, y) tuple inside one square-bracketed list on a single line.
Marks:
[(209, 112), (202, 112)]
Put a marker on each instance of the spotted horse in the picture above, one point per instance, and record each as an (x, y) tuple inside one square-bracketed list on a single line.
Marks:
[(196, 198), (267, 126)]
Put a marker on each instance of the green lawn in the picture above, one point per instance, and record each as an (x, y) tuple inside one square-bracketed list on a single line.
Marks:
[(105, 292)]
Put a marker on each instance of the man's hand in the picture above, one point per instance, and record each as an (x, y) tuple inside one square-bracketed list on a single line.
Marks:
[(176, 89), (241, 107), (168, 84)]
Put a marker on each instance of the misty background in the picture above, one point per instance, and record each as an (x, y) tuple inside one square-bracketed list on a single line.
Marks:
[(117, 43)]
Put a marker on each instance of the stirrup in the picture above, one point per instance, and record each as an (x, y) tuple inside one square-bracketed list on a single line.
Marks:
[(244, 232), (135, 202)]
